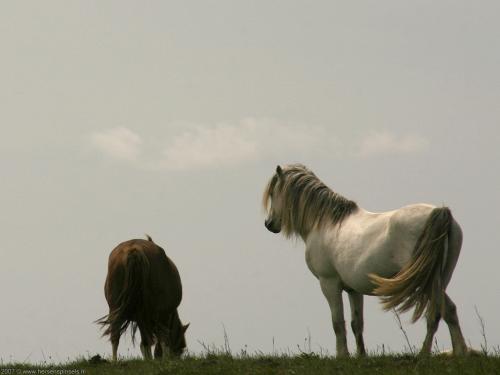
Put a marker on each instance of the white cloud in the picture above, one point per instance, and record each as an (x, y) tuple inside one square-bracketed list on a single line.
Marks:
[(385, 143), (209, 146), (119, 143), (225, 145), (220, 145), (250, 140)]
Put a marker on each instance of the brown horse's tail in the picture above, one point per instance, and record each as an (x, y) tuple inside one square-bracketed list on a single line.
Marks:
[(419, 284), (132, 300)]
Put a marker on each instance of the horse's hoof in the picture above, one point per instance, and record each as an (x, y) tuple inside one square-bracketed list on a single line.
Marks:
[(475, 353), (425, 354), (467, 352), (343, 355)]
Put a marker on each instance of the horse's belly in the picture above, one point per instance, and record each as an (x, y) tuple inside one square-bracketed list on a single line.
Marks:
[(374, 253), (355, 273)]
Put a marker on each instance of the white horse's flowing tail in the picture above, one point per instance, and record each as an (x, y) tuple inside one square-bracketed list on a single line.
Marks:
[(419, 284)]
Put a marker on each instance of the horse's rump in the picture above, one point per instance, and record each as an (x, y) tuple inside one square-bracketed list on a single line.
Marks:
[(419, 284), (132, 302)]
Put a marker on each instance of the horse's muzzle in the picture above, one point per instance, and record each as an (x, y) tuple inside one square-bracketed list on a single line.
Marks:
[(270, 226)]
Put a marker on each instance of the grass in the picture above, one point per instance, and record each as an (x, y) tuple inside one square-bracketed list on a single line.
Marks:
[(221, 360), (305, 363)]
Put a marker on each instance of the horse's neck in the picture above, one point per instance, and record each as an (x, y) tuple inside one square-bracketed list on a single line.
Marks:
[(174, 319), (326, 227), (304, 233)]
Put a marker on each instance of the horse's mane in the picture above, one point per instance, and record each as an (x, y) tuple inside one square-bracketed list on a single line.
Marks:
[(307, 202)]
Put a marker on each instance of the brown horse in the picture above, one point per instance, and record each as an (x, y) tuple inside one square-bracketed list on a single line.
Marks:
[(143, 289)]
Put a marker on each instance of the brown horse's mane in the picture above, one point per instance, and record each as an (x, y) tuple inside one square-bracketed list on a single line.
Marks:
[(307, 201)]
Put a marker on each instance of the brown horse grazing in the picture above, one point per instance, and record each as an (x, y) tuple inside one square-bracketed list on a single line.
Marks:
[(143, 288)]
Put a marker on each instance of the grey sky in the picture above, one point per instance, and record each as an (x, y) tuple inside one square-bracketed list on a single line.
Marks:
[(124, 118)]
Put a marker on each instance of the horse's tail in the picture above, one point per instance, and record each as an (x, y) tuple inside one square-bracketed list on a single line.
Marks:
[(419, 284), (133, 299)]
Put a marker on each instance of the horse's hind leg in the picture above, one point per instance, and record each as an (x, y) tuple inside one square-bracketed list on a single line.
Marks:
[(332, 290), (115, 338), (146, 342), (146, 351), (432, 326), (356, 302), (451, 318)]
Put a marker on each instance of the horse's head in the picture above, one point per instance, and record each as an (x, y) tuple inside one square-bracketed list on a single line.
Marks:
[(273, 202), (177, 338)]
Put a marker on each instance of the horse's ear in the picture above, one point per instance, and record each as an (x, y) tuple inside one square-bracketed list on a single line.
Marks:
[(279, 171), (184, 328)]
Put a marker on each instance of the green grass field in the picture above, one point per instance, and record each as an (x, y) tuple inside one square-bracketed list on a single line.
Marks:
[(300, 364)]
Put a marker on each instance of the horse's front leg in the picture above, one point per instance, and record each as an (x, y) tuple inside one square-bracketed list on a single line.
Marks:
[(332, 289), (356, 302)]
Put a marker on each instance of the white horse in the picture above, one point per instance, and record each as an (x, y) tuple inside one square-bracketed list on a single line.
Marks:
[(405, 256)]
